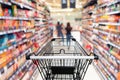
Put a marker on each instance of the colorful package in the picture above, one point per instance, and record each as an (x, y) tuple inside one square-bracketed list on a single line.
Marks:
[(1, 25), (11, 39), (14, 10), (6, 12), (3, 42), (1, 11)]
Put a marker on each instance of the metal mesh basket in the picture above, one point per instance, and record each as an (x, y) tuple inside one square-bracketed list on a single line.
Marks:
[(57, 61)]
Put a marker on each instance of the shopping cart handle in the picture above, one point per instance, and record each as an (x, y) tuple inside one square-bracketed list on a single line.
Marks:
[(53, 39), (28, 56), (96, 57), (73, 39)]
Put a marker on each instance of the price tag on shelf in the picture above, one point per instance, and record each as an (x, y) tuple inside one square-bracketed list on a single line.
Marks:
[(113, 58), (112, 67), (10, 47), (118, 62), (21, 5)]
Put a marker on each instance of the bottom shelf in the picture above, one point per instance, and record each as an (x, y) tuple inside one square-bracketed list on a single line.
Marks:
[(102, 76)]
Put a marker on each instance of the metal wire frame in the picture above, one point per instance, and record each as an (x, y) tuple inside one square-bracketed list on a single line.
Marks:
[(53, 66)]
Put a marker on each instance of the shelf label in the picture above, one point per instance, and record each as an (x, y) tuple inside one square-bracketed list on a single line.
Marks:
[(118, 61)]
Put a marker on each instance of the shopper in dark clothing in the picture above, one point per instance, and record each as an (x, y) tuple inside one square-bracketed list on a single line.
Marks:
[(68, 33), (59, 31)]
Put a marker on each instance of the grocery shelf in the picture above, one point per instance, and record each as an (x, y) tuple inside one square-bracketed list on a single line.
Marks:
[(87, 19), (21, 5), (19, 69), (11, 31), (44, 44), (104, 32), (98, 69), (6, 3), (10, 7), (107, 33), (117, 46), (104, 68), (108, 13), (87, 30), (15, 18), (109, 23), (32, 73), (27, 71), (113, 2), (13, 46), (113, 12), (24, 53), (38, 19), (39, 24), (108, 4), (108, 42)]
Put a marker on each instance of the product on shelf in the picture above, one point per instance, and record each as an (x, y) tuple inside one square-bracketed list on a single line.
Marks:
[(15, 52), (6, 57), (1, 25), (11, 39), (115, 52), (29, 34), (118, 76), (21, 60), (107, 42), (3, 42), (14, 10), (15, 19), (1, 10), (10, 69), (2, 74)]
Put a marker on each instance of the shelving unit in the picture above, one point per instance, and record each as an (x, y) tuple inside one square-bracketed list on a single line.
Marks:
[(21, 33), (102, 34)]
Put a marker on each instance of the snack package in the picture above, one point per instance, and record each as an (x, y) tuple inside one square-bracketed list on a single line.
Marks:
[(10, 25), (1, 11), (10, 69), (6, 25), (3, 42), (14, 10), (16, 24), (11, 39), (1, 25), (6, 12), (13, 24), (10, 12)]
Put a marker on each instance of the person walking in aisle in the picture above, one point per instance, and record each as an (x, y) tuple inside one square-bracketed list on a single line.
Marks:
[(68, 34), (59, 31)]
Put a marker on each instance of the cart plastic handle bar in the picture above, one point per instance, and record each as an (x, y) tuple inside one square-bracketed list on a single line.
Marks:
[(62, 57)]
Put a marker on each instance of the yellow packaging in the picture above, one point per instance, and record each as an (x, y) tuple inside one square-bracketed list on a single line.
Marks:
[(1, 25), (1, 11), (14, 10)]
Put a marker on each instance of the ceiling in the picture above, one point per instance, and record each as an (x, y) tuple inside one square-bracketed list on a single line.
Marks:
[(55, 5)]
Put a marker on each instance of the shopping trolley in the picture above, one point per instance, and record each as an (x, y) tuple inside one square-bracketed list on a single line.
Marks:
[(57, 61)]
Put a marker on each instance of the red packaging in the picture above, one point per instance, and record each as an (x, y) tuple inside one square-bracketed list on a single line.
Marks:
[(6, 25), (6, 12)]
